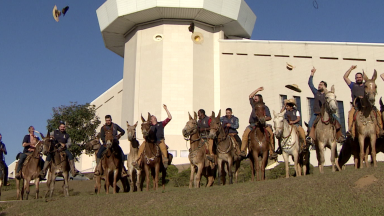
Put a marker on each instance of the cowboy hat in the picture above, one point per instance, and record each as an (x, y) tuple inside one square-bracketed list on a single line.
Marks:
[(293, 87), (56, 13), (290, 101)]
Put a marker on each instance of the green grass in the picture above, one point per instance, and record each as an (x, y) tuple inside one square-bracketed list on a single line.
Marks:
[(316, 194)]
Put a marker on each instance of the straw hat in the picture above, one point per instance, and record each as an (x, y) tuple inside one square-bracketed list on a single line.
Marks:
[(293, 87), (290, 101), (56, 13), (289, 66)]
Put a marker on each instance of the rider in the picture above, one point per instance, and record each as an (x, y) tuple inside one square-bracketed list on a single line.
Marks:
[(158, 129), (203, 124), (61, 137), (292, 115), (29, 144), (3, 150), (116, 137), (319, 100), (231, 123), (253, 99), (357, 91)]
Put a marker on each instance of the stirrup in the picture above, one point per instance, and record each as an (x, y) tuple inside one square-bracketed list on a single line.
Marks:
[(136, 165), (210, 158)]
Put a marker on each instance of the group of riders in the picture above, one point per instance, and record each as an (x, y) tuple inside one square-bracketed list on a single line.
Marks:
[(229, 122)]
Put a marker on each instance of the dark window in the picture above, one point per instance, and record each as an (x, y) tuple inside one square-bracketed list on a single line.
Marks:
[(310, 107), (340, 114), (282, 98), (298, 106)]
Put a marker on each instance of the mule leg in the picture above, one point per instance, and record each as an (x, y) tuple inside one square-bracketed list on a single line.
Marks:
[(200, 168), (18, 192), (373, 151), (219, 169), (66, 183), (26, 187), (361, 153), (286, 161), (252, 166), (98, 184), (48, 183), (257, 165), (230, 173), (107, 181), (52, 185), (334, 156), (264, 164), (164, 174), (191, 176), (147, 176), (115, 175), (320, 156), (237, 170), (157, 171), (304, 169), (296, 163), (37, 185)]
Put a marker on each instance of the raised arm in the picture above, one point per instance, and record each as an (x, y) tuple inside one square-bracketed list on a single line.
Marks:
[(255, 92), (346, 75), (310, 81), (168, 113)]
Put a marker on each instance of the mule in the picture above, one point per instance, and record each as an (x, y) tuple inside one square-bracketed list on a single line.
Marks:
[(289, 142), (226, 155), (325, 131), (59, 165), (151, 158), (136, 180), (366, 122), (111, 165), (197, 156), (30, 171)]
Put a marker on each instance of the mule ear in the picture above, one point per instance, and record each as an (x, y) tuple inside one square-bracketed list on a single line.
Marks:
[(218, 115), (374, 76), (136, 123), (274, 114), (213, 114), (195, 115), (127, 124), (365, 76), (190, 117), (98, 136), (47, 134), (149, 116), (142, 118), (283, 113), (333, 89)]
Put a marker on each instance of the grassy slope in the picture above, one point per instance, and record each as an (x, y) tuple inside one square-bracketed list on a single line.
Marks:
[(327, 194)]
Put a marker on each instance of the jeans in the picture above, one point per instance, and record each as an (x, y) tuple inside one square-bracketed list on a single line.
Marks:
[(22, 158), (103, 148), (5, 173)]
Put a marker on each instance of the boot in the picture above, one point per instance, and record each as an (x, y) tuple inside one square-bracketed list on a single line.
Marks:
[(278, 151), (74, 171), (124, 172), (165, 162), (211, 158), (273, 156), (43, 172), (97, 168), (243, 154)]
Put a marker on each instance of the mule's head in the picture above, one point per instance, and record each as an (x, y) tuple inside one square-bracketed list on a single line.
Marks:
[(146, 125), (330, 98), (215, 125), (89, 146), (260, 112), (131, 131), (278, 123), (370, 88), (191, 126), (109, 137), (47, 144)]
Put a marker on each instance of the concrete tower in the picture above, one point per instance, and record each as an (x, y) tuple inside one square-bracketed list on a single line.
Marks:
[(165, 63)]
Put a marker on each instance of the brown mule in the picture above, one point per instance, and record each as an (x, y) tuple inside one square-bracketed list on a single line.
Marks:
[(226, 155), (136, 180), (259, 144), (30, 171), (366, 122), (59, 166), (111, 165), (151, 157), (197, 156)]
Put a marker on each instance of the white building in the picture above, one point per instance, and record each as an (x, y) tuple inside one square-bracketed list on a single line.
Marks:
[(214, 68)]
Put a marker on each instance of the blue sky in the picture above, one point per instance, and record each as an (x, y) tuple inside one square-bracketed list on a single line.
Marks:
[(44, 64)]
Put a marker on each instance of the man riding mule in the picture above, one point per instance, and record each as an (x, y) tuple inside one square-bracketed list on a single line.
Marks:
[(115, 128), (3, 151), (292, 115), (231, 124), (319, 100), (203, 125), (158, 129), (253, 99), (357, 93), (61, 137), (29, 144)]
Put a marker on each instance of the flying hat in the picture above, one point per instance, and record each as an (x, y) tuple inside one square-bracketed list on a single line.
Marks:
[(56, 13), (290, 101), (289, 66), (294, 87)]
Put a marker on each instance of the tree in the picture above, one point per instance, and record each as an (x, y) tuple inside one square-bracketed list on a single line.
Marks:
[(81, 122)]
